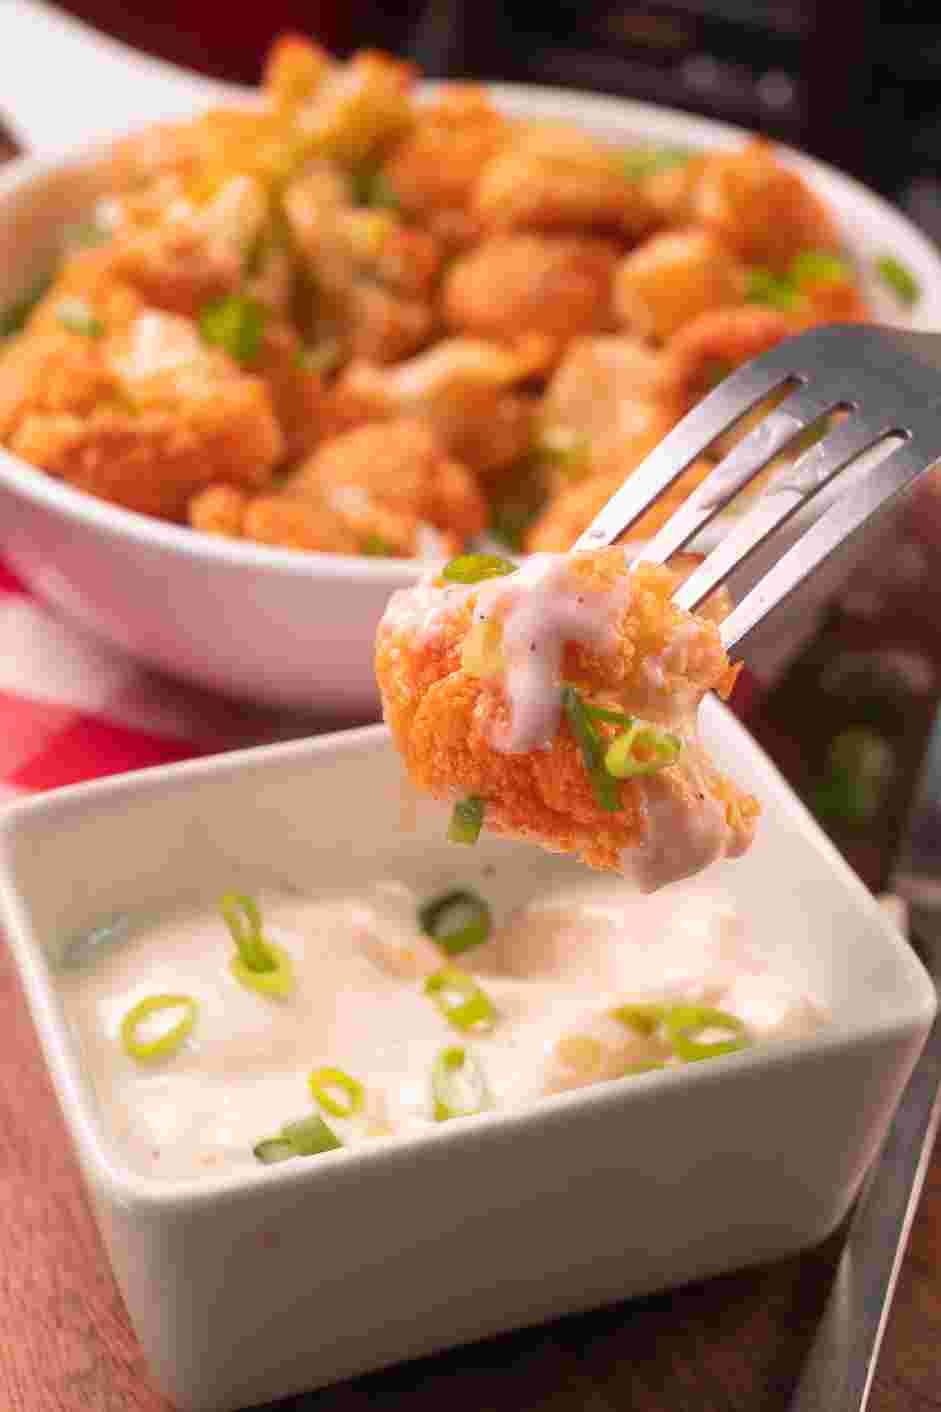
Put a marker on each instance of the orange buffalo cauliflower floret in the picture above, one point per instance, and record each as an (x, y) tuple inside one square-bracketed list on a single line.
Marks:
[(129, 404), (703, 352), (472, 683), (569, 513), (462, 387), (434, 171), (764, 209), (527, 289), (400, 465), (554, 176)]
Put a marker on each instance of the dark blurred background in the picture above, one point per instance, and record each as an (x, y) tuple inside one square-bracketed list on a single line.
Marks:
[(858, 84)]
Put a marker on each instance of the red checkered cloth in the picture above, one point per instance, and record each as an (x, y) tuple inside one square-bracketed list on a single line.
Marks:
[(72, 708)]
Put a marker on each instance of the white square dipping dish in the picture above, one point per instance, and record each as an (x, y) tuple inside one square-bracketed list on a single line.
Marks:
[(246, 1288)]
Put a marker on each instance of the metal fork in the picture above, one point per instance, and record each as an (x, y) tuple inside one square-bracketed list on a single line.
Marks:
[(886, 382)]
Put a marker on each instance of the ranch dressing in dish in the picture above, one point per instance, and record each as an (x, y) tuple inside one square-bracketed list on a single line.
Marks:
[(554, 971)]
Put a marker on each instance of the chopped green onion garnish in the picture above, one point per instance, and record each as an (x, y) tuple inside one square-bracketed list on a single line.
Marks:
[(310, 1136), (75, 315), (467, 818), (307, 1137), (84, 235), (15, 315), (274, 1149), (235, 324), (601, 713), (777, 291), (683, 1023), (899, 278), (642, 750), (715, 370), (458, 1087), (166, 1043), (562, 451), (644, 1016), (376, 547), (322, 357), (589, 743), (474, 568), (322, 1081), (456, 921), (819, 267), (642, 1068), (860, 766), (258, 963), (373, 188), (640, 162), (461, 1000)]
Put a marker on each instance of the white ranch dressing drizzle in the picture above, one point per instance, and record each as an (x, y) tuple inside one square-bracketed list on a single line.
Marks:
[(546, 606)]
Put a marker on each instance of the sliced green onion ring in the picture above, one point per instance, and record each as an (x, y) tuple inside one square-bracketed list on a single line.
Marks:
[(642, 750), (14, 316), (811, 267), (458, 1086), (899, 278), (467, 819), (684, 1022), (589, 743), (777, 291), (324, 356), (310, 1135), (565, 453), (323, 1084), (85, 235), (601, 713), (146, 1050), (75, 315), (306, 1137), (474, 568), (461, 1000), (456, 920), (258, 963), (376, 547), (235, 324), (640, 162), (644, 1016), (274, 1149)]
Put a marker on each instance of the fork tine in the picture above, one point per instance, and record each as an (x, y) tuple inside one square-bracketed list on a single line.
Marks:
[(841, 521), (809, 475), (735, 471), (738, 394)]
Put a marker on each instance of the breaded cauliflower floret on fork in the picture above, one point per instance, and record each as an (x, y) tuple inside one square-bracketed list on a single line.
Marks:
[(557, 703)]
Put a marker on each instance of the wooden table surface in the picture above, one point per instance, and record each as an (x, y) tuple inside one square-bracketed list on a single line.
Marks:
[(733, 1344)]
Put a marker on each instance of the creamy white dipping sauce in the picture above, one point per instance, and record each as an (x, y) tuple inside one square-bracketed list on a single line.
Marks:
[(554, 971)]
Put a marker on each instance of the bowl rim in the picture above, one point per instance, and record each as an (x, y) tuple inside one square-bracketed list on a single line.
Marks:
[(135, 1190), (637, 120)]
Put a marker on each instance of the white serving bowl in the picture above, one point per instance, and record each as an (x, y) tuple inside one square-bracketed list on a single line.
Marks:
[(275, 626), (244, 1288)]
